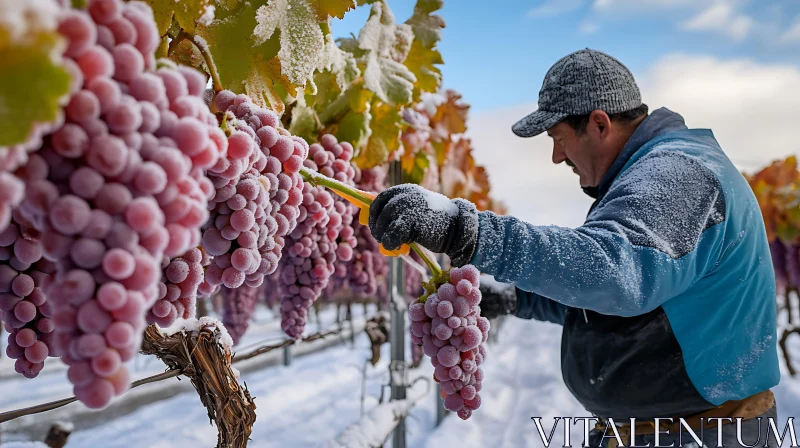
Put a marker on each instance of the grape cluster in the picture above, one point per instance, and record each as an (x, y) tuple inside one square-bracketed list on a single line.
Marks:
[(23, 305), (177, 291), (257, 193), (238, 306), (116, 188), (360, 275), (311, 249), (451, 331)]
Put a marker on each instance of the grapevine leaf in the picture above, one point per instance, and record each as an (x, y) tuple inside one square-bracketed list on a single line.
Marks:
[(301, 39), (341, 63), (422, 63), (304, 120), (414, 165), (385, 136), (354, 128), (32, 82), (403, 36), (186, 53), (186, 13), (427, 28), (244, 66), (451, 115), (391, 81), (332, 8)]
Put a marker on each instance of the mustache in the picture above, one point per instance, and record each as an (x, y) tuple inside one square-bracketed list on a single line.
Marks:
[(569, 163)]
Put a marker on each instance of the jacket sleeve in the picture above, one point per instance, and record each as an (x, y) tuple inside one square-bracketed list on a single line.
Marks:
[(648, 239), (533, 306)]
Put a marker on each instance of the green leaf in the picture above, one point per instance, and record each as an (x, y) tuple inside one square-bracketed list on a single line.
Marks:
[(354, 128), (422, 63), (385, 136), (243, 65), (391, 81), (332, 8), (32, 84), (415, 166), (185, 12), (427, 28), (301, 40)]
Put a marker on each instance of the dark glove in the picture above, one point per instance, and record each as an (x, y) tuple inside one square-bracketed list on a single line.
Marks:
[(497, 299), (408, 213)]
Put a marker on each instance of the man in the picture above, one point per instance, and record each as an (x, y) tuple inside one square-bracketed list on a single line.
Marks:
[(666, 293)]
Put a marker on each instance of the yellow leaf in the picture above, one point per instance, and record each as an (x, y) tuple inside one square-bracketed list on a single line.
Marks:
[(385, 136), (243, 65), (32, 84), (422, 63), (185, 12), (332, 8)]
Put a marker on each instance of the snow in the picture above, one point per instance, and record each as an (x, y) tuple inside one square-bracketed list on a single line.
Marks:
[(23, 19), (195, 325), (488, 282), (208, 15), (440, 203), (302, 41), (317, 400), (375, 427)]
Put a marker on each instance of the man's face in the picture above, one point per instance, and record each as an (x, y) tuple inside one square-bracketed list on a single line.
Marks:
[(575, 150)]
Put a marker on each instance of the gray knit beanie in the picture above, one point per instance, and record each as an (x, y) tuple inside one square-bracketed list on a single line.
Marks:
[(577, 84)]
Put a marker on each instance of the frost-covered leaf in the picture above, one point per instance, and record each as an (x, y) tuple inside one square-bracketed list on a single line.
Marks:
[(403, 36), (243, 65), (332, 8), (185, 12), (391, 81), (339, 62), (422, 63), (385, 136), (304, 120), (427, 27), (301, 38), (33, 83)]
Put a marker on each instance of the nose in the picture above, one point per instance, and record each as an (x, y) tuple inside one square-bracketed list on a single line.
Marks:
[(558, 155)]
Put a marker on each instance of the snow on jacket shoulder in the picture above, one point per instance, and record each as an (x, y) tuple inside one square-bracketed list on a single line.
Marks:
[(672, 268)]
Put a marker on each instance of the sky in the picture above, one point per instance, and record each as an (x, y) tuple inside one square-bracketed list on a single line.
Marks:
[(729, 65)]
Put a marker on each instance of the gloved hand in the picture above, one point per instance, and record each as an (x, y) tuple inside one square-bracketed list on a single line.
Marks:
[(408, 213), (497, 299)]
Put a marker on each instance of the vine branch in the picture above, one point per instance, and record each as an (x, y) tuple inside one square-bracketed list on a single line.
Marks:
[(171, 373), (202, 47)]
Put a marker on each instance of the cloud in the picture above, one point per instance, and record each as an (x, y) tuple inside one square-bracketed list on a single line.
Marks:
[(750, 107), (550, 8), (626, 5), (722, 18), (792, 35), (522, 173), (589, 28)]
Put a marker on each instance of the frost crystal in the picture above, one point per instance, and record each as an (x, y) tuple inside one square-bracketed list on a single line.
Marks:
[(23, 19), (208, 16), (302, 40)]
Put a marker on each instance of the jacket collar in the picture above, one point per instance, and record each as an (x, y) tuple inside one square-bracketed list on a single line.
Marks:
[(660, 121)]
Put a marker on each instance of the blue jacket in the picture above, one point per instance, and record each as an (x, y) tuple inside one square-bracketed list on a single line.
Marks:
[(666, 293)]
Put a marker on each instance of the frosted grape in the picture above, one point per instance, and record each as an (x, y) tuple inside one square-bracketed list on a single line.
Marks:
[(453, 333)]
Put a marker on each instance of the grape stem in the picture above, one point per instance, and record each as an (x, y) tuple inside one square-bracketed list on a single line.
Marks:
[(202, 47), (344, 190)]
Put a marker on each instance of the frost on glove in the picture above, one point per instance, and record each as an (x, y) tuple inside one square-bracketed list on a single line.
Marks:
[(411, 214)]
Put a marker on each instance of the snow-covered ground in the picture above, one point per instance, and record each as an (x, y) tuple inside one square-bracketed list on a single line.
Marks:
[(319, 395)]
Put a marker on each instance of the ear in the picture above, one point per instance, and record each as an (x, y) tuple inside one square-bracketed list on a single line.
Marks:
[(599, 123)]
